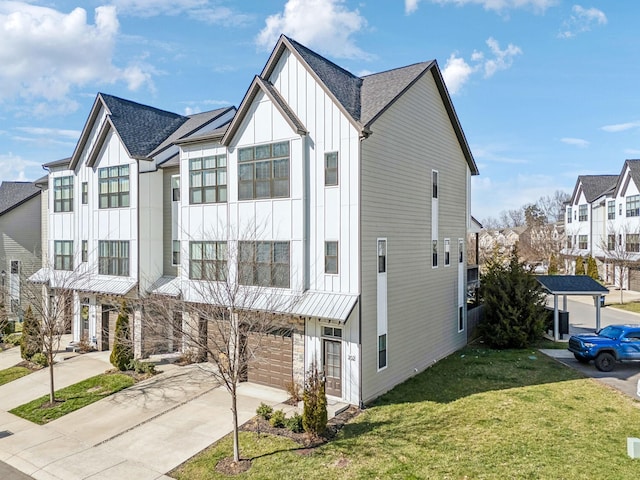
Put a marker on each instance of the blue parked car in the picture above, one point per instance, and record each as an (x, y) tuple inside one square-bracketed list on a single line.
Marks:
[(607, 346)]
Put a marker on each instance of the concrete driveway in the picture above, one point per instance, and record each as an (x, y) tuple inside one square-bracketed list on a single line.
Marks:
[(139, 433)]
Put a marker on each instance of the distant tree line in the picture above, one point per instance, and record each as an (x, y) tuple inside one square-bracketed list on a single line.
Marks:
[(547, 209)]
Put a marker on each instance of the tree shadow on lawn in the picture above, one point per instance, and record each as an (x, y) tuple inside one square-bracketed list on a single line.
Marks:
[(475, 369)]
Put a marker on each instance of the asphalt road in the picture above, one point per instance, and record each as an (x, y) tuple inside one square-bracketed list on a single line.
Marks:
[(9, 473), (582, 319)]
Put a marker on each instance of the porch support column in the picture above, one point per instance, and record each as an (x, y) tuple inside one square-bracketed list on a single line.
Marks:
[(556, 318)]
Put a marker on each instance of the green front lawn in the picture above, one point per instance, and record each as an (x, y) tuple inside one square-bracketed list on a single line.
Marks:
[(73, 397), (478, 414), (9, 374), (630, 306)]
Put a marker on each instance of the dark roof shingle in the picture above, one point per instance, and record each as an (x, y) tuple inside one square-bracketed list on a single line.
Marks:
[(141, 128), (594, 186), (13, 194)]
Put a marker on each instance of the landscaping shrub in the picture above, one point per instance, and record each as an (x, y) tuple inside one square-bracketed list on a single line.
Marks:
[(294, 390), (294, 423), (31, 341), (265, 411), (40, 359), (514, 315), (277, 419), (592, 268), (122, 353), (146, 368), (314, 414), (553, 265), (14, 339), (579, 265)]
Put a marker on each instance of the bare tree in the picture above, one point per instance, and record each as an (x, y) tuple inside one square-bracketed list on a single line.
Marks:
[(236, 295), (553, 206), (622, 251), (49, 293)]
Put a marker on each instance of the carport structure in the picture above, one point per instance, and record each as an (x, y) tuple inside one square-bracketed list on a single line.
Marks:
[(571, 285)]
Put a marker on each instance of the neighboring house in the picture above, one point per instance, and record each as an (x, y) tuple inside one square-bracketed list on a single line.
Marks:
[(20, 241), (500, 240), (603, 220), (359, 187)]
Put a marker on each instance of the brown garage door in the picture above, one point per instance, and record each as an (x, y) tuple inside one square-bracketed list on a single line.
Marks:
[(634, 279), (272, 362)]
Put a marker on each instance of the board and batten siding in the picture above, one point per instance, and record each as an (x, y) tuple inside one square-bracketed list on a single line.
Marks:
[(412, 138), (167, 207), (332, 212)]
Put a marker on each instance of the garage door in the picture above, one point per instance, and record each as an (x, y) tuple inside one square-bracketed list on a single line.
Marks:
[(273, 361), (634, 279)]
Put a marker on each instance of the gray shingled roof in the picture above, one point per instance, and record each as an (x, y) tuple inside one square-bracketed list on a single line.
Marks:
[(560, 284), (13, 194), (140, 127), (379, 89), (343, 84), (634, 170), (193, 123), (595, 186)]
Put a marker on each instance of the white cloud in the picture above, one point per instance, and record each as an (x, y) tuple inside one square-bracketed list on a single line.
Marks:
[(45, 53), (202, 10), (16, 168), (502, 59), (621, 127), (538, 6), (582, 20), (324, 25), (50, 132), (458, 71), (578, 142)]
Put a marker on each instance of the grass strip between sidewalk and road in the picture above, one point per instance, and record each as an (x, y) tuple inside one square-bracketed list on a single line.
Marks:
[(477, 414), (13, 373), (73, 397), (629, 307)]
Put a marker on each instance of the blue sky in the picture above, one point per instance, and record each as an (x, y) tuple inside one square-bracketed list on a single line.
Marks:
[(545, 89)]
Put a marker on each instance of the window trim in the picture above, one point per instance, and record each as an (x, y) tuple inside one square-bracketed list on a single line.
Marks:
[(434, 184), (583, 240), (434, 253), (633, 206), (216, 264), (611, 210), (447, 252), (583, 213), (257, 158), (217, 172), (383, 362), (85, 251), (461, 250), (277, 270), (175, 252), (331, 170), (331, 258), (382, 255), (122, 263), (85, 193), (122, 197), (60, 203), (63, 261), (461, 319)]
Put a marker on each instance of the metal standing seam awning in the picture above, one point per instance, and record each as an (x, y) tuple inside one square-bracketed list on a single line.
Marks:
[(571, 285)]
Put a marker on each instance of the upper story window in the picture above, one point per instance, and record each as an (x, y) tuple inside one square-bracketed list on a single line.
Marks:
[(447, 252), (569, 242), (63, 255), (434, 184), (175, 188), (208, 179), (583, 214), (382, 256), (208, 261), (611, 242), (434, 253), (331, 168), (583, 242), (633, 206), (263, 171), (569, 215), (264, 264), (85, 251), (175, 252), (63, 194), (85, 193), (113, 187), (461, 250), (611, 210), (113, 257), (331, 257), (632, 242)]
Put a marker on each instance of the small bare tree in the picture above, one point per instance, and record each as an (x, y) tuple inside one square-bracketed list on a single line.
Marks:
[(49, 293), (622, 250), (236, 295)]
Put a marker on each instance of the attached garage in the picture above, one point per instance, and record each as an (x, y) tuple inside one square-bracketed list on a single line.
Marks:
[(271, 358), (634, 279)]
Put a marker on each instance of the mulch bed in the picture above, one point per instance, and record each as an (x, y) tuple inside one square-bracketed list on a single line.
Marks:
[(307, 443)]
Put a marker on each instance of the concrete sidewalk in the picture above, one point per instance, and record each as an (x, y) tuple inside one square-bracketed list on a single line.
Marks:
[(139, 433)]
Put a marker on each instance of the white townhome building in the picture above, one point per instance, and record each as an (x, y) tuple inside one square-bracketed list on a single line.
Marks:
[(603, 220), (357, 189)]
